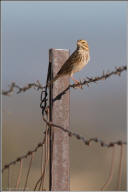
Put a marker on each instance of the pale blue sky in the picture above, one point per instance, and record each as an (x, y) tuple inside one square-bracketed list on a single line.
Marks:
[(29, 29)]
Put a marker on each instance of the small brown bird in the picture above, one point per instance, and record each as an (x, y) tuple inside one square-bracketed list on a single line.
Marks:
[(79, 58)]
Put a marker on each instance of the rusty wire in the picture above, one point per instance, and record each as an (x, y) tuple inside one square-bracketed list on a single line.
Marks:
[(43, 105), (30, 164), (90, 80), (40, 181), (87, 82), (19, 175), (111, 171), (70, 133), (83, 139), (13, 86), (104, 76), (24, 156)]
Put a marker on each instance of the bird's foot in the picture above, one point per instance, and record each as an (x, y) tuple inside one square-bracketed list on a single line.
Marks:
[(78, 85)]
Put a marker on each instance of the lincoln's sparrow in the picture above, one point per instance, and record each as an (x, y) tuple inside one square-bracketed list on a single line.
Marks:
[(75, 62)]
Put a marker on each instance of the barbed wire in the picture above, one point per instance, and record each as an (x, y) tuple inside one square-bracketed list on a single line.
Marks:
[(43, 105), (70, 133), (29, 153), (89, 80), (86, 141), (86, 82), (104, 76), (13, 85)]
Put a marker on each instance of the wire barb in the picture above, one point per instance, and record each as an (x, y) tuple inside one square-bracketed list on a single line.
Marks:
[(24, 156), (13, 86), (83, 139), (87, 81), (45, 108)]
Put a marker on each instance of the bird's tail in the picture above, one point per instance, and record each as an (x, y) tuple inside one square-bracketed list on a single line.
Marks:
[(54, 79)]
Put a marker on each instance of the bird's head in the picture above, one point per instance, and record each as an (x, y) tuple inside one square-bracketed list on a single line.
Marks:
[(82, 44)]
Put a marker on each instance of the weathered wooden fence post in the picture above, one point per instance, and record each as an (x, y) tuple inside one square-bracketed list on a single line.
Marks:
[(59, 114)]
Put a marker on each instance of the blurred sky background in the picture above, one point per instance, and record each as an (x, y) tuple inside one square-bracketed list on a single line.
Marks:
[(29, 30)]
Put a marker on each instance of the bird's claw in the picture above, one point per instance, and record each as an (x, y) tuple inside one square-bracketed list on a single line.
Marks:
[(78, 85)]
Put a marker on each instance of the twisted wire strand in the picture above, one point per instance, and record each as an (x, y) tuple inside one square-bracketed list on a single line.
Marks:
[(13, 86), (83, 139), (87, 81), (104, 76), (70, 133), (90, 80), (24, 156), (37, 86)]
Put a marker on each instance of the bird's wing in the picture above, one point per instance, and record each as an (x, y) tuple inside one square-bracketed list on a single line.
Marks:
[(68, 65)]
